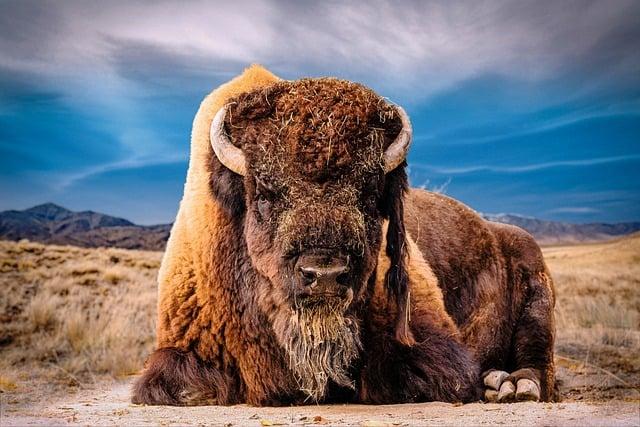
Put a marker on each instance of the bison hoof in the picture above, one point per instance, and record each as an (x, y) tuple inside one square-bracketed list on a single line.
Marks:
[(494, 379), (507, 392), (527, 390), (500, 388), (490, 395)]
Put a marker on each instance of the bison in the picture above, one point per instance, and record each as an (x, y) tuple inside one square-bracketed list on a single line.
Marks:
[(301, 267)]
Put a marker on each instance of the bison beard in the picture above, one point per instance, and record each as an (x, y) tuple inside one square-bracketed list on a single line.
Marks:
[(321, 341)]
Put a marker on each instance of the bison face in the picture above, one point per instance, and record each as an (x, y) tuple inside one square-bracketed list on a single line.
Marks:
[(316, 239), (311, 162)]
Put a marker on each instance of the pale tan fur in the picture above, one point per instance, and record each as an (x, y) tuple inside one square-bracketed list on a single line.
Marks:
[(186, 266)]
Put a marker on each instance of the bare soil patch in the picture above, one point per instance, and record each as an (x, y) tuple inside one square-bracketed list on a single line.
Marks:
[(110, 405)]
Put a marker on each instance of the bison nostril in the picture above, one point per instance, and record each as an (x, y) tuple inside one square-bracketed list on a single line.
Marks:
[(322, 272), (309, 275), (342, 279), (331, 274)]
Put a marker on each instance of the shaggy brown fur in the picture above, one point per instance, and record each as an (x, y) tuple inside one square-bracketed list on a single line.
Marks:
[(409, 317), (495, 286)]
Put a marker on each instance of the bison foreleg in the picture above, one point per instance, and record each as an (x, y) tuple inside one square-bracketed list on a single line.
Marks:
[(177, 377), (438, 368)]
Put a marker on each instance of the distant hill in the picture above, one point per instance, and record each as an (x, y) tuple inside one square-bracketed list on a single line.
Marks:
[(50, 223), (555, 232)]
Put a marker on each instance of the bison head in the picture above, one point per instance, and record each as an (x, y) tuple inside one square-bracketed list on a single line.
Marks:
[(312, 168)]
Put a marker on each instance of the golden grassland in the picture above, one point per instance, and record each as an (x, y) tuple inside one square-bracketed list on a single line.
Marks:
[(73, 317), (70, 317), (598, 318)]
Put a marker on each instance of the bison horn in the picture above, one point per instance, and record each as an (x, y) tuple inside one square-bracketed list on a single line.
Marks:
[(397, 151), (228, 154)]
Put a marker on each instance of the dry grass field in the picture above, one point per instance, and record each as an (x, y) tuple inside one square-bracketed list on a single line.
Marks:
[(73, 320), (598, 318), (71, 317)]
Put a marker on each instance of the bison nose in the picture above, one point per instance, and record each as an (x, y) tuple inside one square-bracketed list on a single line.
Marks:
[(321, 271), (311, 275)]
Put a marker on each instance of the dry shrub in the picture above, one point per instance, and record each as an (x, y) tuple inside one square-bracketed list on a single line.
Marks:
[(42, 312), (58, 285), (83, 268), (25, 265), (75, 331), (114, 275), (147, 264), (7, 384), (7, 265), (110, 344), (600, 311)]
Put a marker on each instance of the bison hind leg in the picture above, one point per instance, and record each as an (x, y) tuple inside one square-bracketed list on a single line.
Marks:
[(534, 337), (176, 377), (534, 374)]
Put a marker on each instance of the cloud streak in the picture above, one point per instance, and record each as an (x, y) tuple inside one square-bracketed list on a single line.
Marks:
[(67, 180), (525, 168), (573, 210), (532, 127)]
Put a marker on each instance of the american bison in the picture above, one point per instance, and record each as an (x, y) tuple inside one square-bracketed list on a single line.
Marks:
[(301, 268)]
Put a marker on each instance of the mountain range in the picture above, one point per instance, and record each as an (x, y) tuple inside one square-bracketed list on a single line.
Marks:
[(50, 223), (557, 232)]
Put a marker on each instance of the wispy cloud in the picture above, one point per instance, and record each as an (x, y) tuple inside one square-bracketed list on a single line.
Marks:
[(532, 126), (524, 168), (573, 210), (64, 181)]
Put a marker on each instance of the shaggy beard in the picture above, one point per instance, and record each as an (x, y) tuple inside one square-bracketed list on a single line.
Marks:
[(321, 342)]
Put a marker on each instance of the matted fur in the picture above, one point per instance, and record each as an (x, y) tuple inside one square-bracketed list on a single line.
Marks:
[(321, 343), (418, 329)]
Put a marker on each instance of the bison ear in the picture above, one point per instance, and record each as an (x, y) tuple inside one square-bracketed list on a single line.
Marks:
[(397, 278), (227, 188)]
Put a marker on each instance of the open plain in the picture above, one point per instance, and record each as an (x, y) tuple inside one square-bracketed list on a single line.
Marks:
[(76, 325)]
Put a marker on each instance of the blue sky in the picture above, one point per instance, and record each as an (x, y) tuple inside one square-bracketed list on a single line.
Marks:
[(521, 107)]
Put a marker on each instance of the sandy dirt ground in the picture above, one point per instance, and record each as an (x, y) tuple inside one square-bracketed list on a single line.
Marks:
[(109, 405)]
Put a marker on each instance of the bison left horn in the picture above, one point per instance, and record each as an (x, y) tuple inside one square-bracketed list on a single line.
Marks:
[(228, 154), (233, 157), (397, 151)]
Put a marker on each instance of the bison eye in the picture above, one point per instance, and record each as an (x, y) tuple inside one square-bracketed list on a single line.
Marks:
[(264, 206)]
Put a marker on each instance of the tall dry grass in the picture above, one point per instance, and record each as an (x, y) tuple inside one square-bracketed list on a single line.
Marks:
[(69, 316), (598, 316)]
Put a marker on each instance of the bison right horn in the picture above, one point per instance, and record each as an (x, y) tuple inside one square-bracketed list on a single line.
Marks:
[(228, 154), (397, 151)]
